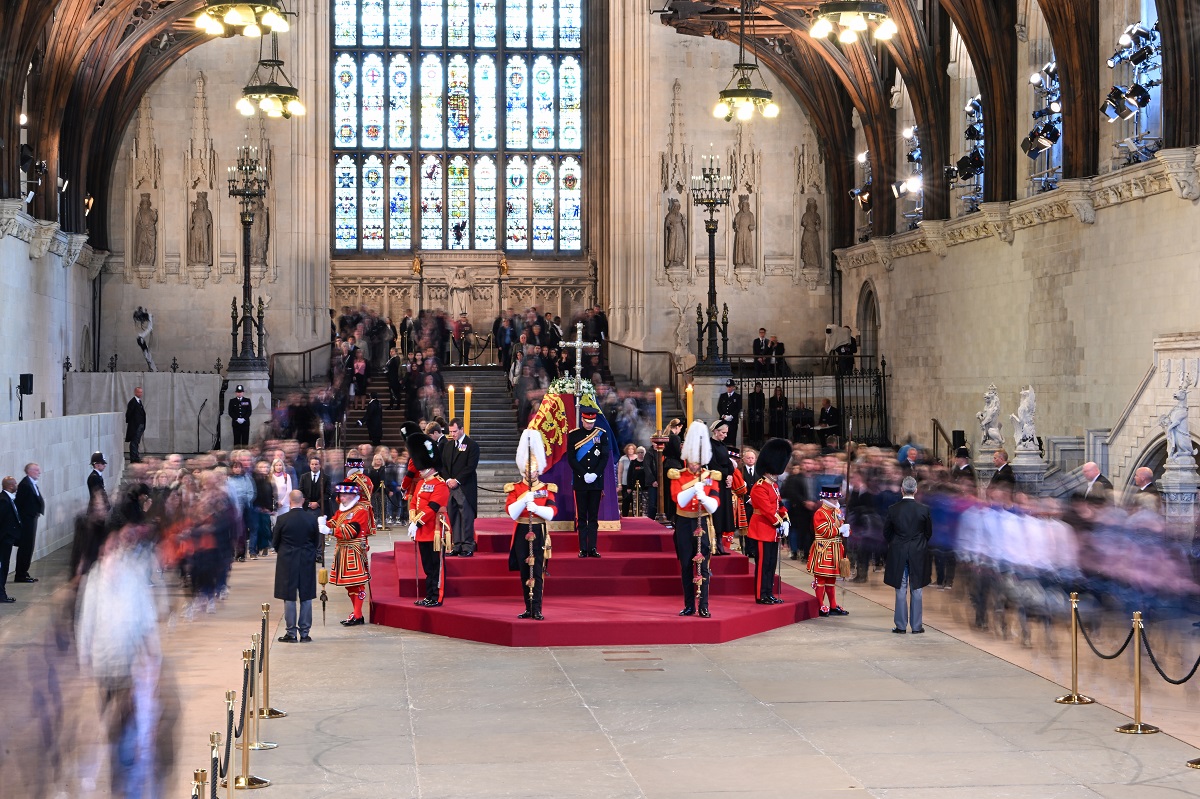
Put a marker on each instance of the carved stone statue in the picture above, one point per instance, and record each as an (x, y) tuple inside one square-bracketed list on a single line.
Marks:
[(1175, 422), (200, 232), (416, 265), (260, 233), (743, 234), (503, 265), (1022, 421), (143, 320), (460, 294), (674, 236), (810, 240), (145, 234), (989, 420)]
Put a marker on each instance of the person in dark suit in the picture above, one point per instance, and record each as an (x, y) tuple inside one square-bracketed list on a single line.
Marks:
[(314, 486), (395, 385), (372, 419), (828, 421), (756, 414), (776, 362), (588, 453), (240, 409), (963, 472), (460, 462), (30, 506), (761, 353), (907, 531), (723, 518), (95, 480), (296, 539), (1004, 477), (438, 437), (10, 530), (672, 458), (1145, 492), (802, 423), (1098, 486), (135, 425), (729, 408)]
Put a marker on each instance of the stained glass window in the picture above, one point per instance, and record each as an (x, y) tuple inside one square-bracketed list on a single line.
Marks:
[(458, 124)]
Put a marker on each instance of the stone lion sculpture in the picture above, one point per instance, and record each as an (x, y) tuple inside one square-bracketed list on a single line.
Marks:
[(1022, 420), (989, 420)]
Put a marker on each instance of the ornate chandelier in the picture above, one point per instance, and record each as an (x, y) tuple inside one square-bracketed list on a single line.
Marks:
[(271, 91), (247, 19), (851, 18), (741, 97)]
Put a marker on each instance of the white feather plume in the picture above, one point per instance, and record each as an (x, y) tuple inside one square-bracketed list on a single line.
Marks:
[(531, 443), (696, 445)]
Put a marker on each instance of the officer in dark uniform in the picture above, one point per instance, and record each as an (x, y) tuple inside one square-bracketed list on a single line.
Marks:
[(588, 453), (239, 415), (729, 408)]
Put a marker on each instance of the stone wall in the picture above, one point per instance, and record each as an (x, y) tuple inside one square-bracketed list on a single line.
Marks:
[(1066, 290), (62, 447)]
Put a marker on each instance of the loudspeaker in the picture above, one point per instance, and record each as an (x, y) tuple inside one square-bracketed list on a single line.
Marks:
[(958, 438), (26, 384)]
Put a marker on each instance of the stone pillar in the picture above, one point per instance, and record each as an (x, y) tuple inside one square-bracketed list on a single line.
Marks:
[(1178, 487), (1030, 471), (256, 390), (984, 468), (707, 389)]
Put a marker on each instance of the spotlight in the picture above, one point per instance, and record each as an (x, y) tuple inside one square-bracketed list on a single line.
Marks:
[(1039, 140), (1048, 135), (1045, 112), (1056, 106), (914, 157), (1036, 79), (913, 184), (88, 202), (970, 164), (900, 188), (23, 119), (1134, 34), (974, 106), (29, 197), (909, 132), (1115, 105), (862, 195), (62, 185), (862, 157), (951, 173), (974, 132), (1137, 96), (1051, 70), (26, 158)]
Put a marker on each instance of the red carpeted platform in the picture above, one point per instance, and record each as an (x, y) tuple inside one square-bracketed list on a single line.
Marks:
[(630, 596)]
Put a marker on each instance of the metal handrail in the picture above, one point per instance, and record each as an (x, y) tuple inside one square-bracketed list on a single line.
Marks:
[(808, 364), (939, 432), (306, 360), (678, 378)]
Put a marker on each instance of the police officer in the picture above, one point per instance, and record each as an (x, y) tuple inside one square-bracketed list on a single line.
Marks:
[(239, 416)]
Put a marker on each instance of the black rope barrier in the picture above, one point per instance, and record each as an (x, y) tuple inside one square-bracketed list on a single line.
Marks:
[(231, 733), (215, 765), (1158, 668), (1098, 653), (262, 642)]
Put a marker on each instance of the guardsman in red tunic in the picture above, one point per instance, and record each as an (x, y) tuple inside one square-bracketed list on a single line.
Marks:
[(350, 526), (530, 504), (696, 493), (829, 528), (411, 474), (427, 524), (355, 474), (768, 518)]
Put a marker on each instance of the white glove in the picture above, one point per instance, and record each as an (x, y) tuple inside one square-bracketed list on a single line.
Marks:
[(709, 503), (518, 507), (544, 511), (685, 497), (589, 478), (412, 531), (784, 528), (844, 531)]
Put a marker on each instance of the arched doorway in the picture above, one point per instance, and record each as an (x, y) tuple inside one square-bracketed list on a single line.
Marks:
[(85, 351), (868, 328)]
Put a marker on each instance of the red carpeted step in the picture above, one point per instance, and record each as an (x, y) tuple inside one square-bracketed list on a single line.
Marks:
[(582, 620)]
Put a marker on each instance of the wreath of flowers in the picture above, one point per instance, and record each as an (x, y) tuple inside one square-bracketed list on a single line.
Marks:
[(566, 385)]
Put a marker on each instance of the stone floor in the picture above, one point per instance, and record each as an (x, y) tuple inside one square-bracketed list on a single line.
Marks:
[(826, 708)]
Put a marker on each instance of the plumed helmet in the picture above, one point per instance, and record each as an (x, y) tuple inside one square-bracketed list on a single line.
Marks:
[(774, 456), (422, 451), (531, 445), (696, 445)]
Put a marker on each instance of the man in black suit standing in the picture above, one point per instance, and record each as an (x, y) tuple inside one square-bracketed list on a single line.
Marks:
[(1004, 477), (296, 540), (239, 417), (1098, 486), (1145, 492), (907, 531), (30, 506), (372, 419), (729, 408), (10, 530), (314, 485), (761, 353), (963, 472), (95, 480), (460, 461), (588, 452), (777, 364), (828, 420), (135, 425)]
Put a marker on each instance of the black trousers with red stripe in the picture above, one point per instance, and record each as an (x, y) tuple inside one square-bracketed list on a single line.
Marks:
[(431, 562), (766, 558)]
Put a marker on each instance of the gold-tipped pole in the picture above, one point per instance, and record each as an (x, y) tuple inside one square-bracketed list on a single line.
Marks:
[(1074, 698), (267, 712), (246, 780), (1137, 727), (255, 700), (199, 783)]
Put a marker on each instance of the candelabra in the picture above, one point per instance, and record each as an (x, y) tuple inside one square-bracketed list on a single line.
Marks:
[(247, 182), (711, 190)]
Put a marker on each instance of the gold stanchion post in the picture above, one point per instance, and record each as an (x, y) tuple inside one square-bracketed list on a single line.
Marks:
[(1137, 727), (1074, 698), (246, 780), (214, 742), (267, 711), (199, 782), (255, 700)]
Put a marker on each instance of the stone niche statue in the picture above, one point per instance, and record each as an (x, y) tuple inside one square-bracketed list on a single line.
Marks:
[(200, 232), (260, 233), (143, 321), (1175, 423), (810, 239), (743, 234), (460, 294), (674, 236), (145, 234), (989, 420), (1023, 427)]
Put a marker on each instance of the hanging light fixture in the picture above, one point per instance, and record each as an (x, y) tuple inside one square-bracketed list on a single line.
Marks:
[(852, 18), (248, 19), (740, 97), (271, 91)]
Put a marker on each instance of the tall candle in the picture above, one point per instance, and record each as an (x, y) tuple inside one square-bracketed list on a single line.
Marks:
[(658, 410), (467, 410), (450, 392), (689, 403)]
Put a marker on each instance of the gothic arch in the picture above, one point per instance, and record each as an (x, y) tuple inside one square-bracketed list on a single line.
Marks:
[(85, 351), (867, 323)]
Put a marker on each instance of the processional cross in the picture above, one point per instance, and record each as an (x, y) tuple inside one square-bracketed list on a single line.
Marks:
[(579, 345)]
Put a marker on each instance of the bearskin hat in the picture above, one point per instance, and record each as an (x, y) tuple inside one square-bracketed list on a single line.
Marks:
[(409, 429), (774, 456), (422, 451)]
